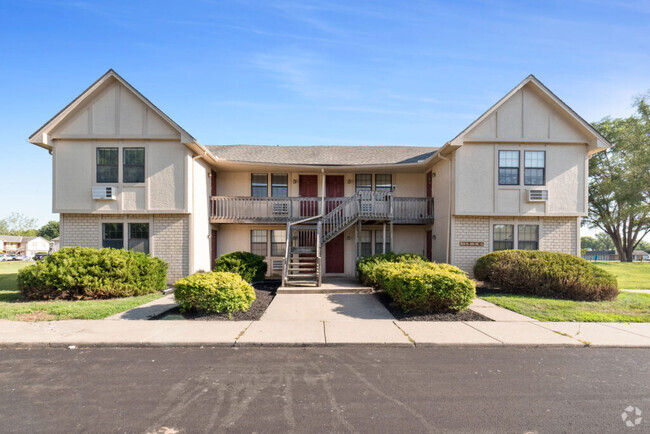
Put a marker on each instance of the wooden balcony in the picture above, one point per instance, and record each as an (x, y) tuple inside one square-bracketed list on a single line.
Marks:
[(372, 206)]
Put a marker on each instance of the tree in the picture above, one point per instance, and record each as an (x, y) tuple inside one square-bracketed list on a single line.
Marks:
[(18, 224), (619, 181), (50, 230), (601, 241)]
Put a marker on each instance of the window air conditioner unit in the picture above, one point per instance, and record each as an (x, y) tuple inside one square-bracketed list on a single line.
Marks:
[(103, 193), (537, 195), (276, 264)]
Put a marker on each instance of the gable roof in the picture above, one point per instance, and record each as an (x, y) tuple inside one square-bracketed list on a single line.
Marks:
[(531, 79), (323, 155), (40, 136)]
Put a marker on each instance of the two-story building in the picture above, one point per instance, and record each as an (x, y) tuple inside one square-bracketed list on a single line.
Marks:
[(126, 176)]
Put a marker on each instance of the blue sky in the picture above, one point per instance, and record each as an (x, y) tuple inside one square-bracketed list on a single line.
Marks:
[(308, 73)]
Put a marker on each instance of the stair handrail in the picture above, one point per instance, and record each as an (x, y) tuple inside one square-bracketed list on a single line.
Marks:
[(285, 267)]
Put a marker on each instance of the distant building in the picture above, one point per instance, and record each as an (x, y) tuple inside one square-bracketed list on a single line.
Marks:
[(611, 255), (26, 246)]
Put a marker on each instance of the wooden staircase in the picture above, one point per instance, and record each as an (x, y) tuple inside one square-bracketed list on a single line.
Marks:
[(302, 265)]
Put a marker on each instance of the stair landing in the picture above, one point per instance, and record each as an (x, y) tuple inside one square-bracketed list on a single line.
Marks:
[(330, 285)]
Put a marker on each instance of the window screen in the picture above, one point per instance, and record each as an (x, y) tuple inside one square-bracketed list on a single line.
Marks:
[(379, 244), (258, 242), (503, 237), (528, 237), (363, 182), (107, 165), (133, 166), (278, 242), (113, 235), (383, 182), (279, 185), (139, 237), (534, 167), (508, 167), (365, 241), (259, 185)]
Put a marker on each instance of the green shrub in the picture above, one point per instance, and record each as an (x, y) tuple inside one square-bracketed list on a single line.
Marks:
[(214, 292), (367, 265), (426, 287), (249, 266), (546, 274), (83, 273)]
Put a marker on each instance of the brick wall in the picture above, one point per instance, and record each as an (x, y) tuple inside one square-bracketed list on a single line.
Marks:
[(473, 229), (169, 236), (171, 240), (80, 230), (557, 234)]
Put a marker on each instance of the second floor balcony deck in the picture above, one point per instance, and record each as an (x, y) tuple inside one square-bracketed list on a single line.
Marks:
[(372, 206)]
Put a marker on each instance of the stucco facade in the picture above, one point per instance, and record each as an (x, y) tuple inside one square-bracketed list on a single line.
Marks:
[(514, 178)]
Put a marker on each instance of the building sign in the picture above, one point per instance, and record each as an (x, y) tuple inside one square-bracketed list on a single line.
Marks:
[(472, 243)]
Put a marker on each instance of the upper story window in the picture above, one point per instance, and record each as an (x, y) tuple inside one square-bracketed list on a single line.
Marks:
[(279, 184), (508, 167), (107, 165), (133, 165), (534, 168), (363, 182), (384, 182), (259, 185)]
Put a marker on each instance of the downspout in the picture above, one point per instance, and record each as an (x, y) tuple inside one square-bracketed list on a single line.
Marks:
[(191, 223), (448, 253)]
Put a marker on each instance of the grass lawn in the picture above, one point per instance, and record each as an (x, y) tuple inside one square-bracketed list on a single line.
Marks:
[(630, 275), (628, 307), (12, 307)]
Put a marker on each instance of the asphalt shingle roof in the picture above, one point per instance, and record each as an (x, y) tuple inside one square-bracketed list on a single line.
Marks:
[(323, 155)]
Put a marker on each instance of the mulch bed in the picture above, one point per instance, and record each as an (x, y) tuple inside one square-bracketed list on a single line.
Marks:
[(264, 293), (399, 314)]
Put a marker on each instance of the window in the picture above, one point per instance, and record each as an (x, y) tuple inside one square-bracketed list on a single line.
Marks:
[(379, 244), (107, 165), (258, 242), (259, 185), (508, 167), (363, 182), (113, 235), (133, 165), (365, 241), (279, 185), (139, 237), (534, 167), (504, 237), (278, 242), (528, 237), (384, 182)]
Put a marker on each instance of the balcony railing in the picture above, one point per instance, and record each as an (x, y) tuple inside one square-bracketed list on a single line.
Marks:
[(372, 206)]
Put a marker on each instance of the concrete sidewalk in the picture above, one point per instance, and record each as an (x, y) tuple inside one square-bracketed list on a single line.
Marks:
[(110, 333)]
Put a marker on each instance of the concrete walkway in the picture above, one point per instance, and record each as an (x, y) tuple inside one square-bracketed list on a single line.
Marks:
[(315, 332), (325, 307)]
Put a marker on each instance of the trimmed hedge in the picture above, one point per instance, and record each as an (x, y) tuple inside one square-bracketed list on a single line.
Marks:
[(426, 287), (366, 265), (249, 266), (83, 273), (416, 284), (214, 292), (546, 274)]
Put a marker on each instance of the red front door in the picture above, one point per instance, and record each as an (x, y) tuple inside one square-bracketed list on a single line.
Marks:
[(334, 257), (430, 245), (308, 188), (213, 248), (334, 187)]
